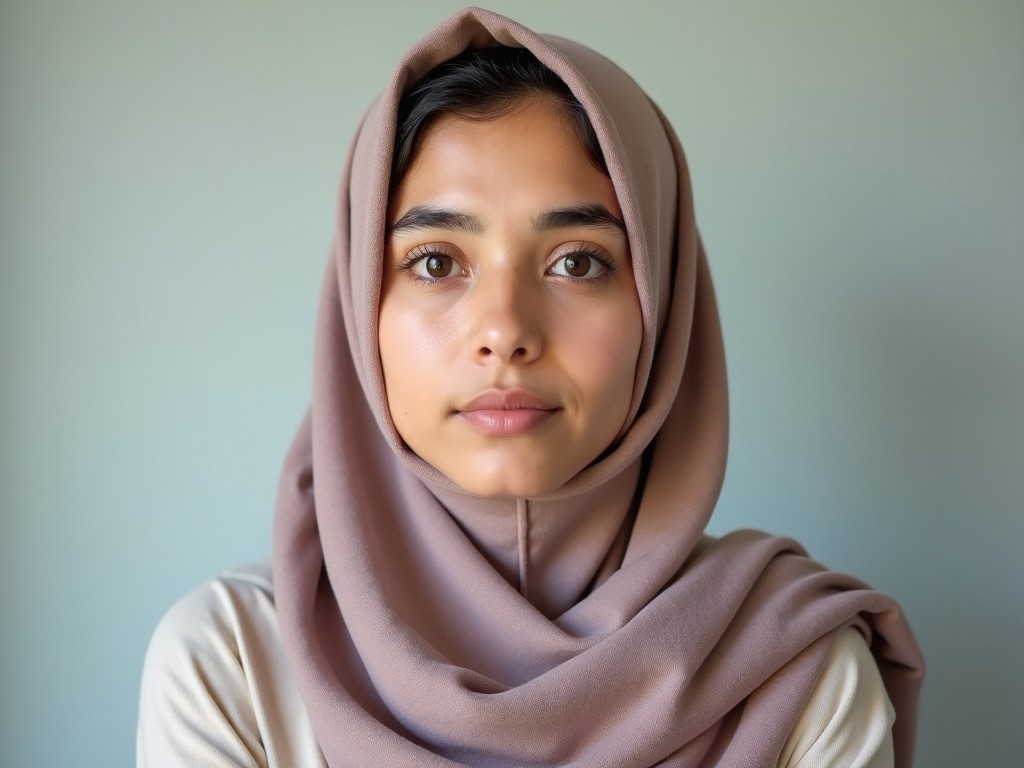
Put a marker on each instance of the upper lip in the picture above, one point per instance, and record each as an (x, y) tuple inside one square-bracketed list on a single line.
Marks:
[(506, 400)]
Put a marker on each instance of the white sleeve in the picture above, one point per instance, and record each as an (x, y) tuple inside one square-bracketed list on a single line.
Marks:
[(195, 708), (847, 722)]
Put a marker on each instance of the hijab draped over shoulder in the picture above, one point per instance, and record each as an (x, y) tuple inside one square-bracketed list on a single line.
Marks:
[(594, 626)]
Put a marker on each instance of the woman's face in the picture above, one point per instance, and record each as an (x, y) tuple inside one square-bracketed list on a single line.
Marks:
[(509, 319)]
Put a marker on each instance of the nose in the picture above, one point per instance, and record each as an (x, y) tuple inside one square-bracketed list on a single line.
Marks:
[(505, 327)]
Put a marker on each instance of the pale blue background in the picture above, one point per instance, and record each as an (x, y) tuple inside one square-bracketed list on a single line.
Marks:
[(167, 182)]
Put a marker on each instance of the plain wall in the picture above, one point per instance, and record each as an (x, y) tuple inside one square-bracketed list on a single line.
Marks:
[(167, 186)]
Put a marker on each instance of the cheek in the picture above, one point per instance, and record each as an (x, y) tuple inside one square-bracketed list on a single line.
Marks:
[(604, 348), (413, 344)]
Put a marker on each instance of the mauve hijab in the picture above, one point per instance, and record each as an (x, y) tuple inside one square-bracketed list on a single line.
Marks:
[(597, 626)]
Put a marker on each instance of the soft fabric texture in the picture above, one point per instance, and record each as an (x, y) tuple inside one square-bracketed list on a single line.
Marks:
[(217, 691), (597, 626)]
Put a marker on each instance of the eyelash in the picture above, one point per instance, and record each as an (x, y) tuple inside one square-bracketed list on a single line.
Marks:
[(421, 252)]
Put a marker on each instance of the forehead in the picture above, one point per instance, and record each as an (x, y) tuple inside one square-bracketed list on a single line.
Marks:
[(531, 152)]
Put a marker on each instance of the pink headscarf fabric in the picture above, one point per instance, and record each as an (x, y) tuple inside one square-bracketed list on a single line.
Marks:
[(595, 626)]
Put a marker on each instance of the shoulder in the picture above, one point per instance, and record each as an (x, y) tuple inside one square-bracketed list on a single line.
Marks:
[(214, 629), (236, 603), (847, 721), (245, 585), (216, 688)]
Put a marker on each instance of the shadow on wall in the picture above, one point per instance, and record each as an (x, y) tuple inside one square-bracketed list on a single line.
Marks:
[(947, 461)]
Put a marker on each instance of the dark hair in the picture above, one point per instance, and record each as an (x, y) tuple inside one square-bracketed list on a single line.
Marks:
[(484, 84)]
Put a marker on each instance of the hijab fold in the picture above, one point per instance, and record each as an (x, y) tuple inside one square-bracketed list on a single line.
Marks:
[(597, 626)]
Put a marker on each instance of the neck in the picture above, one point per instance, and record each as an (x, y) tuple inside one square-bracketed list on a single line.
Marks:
[(554, 551)]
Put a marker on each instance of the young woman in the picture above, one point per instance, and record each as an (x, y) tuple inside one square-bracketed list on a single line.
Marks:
[(489, 544)]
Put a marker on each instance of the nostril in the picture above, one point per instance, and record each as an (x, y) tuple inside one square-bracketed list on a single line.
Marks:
[(519, 344), (518, 352)]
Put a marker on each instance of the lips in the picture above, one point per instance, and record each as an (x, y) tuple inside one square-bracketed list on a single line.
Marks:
[(506, 412)]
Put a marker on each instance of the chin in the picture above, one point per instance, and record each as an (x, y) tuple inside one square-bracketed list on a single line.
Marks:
[(507, 483)]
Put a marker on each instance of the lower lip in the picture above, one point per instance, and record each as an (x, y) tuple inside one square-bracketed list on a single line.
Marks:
[(512, 422)]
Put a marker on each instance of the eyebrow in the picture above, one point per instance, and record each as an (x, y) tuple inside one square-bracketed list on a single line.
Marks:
[(432, 217), (582, 215)]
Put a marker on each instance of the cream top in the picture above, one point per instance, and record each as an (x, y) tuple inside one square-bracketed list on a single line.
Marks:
[(217, 691)]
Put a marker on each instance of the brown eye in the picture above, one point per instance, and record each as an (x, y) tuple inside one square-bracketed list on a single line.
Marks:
[(577, 264), (438, 265), (581, 265), (433, 266)]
